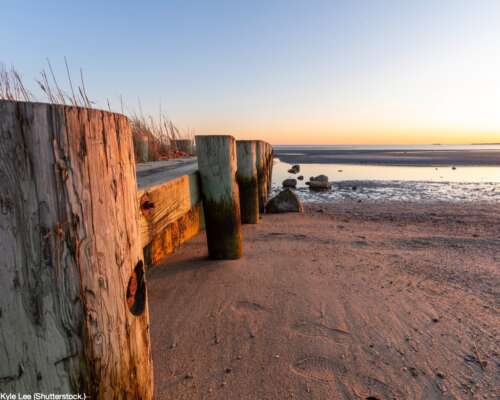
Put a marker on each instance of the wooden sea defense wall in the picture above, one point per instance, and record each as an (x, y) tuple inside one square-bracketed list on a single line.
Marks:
[(170, 213), (73, 311)]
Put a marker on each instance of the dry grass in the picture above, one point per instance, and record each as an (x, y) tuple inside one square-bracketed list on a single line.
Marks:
[(159, 131), (11, 85), (13, 88)]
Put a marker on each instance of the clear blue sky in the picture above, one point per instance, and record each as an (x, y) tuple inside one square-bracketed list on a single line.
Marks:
[(290, 71)]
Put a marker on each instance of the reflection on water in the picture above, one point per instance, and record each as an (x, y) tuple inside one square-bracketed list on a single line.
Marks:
[(439, 147), (377, 183)]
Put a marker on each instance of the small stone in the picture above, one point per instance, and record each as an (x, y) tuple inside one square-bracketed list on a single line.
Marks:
[(188, 376), (439, 374), (228, 370), (319, 178), (290, 183), (276, 356), (319, 185), (435, 320), (300, 177)]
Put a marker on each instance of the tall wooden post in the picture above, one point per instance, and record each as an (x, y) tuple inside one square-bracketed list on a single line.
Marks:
[(247, 181), (271, 165), (221, 203), (73, 308), (184, 145), (143, 151), (261, 174)]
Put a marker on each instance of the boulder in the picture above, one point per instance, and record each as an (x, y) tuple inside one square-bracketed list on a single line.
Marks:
[(290, 183), (319, 186), (285, 201), (294, 170), (319, 178)]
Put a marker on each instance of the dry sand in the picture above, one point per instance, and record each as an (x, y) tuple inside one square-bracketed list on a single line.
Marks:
[(347, 301)]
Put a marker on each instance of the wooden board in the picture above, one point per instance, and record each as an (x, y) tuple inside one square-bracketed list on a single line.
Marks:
[(176, 233), (165, 203)]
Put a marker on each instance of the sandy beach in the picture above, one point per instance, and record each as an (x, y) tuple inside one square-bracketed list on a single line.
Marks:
[(390, 157), (346, 301)]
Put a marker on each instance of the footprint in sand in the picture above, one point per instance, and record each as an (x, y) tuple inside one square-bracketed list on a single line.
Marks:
[(251, 313), (374, 389), (311, 328), (319, 368), (247, 306)]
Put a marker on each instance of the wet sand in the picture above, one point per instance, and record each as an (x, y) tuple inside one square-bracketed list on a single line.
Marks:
[(347, 301), (391, 157)]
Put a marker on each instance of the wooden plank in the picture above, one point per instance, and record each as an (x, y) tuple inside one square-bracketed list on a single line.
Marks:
[(155, 173), (176, 233), (165, 203)]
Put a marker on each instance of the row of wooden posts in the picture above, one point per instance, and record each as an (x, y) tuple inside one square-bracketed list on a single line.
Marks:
[(73, 307), (235, 183)]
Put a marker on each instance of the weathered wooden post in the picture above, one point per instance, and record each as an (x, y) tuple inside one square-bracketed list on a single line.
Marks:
[(261, 174), (184, 145), (270, 169), (247, 181), (269, 166), (143, 150), (73, 304), (221, 202)]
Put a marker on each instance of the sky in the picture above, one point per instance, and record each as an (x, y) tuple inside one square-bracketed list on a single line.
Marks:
[(286, 71)]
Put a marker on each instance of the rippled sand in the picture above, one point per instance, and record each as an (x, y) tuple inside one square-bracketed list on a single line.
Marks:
[(375, 300)]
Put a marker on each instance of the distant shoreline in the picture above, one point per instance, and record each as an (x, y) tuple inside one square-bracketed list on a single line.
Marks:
[(302, 155)]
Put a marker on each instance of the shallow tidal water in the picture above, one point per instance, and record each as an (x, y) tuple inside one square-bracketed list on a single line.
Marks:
[(396, 183)]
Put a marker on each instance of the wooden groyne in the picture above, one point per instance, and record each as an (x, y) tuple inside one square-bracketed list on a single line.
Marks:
[(171, 207), (79, 226)]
